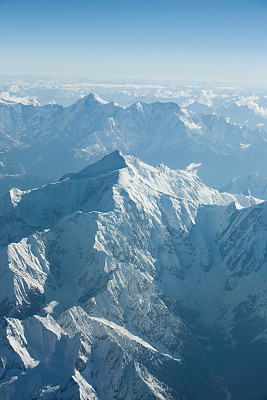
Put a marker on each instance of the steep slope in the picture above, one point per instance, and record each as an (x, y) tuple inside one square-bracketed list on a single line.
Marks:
[(47, 141), (146, 272)]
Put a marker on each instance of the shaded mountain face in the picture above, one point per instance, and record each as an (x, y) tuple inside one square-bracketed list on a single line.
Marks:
[(40, 144), (132, 282)]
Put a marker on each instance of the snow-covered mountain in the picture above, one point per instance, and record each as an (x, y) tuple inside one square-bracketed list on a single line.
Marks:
[(39, 144), (133, 282), (255, 185), (251, 115), (243, 114)]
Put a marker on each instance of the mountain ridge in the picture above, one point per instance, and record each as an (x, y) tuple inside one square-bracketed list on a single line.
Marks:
[(46, 141)]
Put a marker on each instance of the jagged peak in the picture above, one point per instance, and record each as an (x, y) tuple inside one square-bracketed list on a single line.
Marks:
[(169, 105), (93, 98), (111, 162)]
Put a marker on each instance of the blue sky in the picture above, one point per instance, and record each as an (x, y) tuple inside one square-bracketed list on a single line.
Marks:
[(193, 40)]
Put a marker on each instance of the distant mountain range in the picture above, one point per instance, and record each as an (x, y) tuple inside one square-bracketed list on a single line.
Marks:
[(38, 144)]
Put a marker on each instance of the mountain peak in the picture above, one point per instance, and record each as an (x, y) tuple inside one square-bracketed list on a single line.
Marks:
[(111, 162), (92, 97)]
